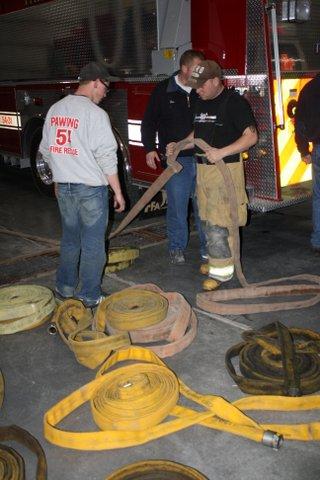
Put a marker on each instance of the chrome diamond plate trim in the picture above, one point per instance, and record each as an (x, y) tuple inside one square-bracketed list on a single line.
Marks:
[(260, 168), (54, 40)]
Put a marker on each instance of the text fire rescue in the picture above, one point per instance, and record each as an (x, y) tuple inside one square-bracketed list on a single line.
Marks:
[(63, 135)]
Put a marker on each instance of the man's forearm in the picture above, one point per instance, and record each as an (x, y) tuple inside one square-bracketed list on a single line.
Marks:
[(302, 145), (114, 182), (247, 140), (190, 140)]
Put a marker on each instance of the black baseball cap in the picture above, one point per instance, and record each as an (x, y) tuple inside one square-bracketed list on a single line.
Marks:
[(95, 70)]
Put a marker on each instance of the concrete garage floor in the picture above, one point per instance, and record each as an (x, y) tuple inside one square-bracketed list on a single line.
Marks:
[(39, 370)]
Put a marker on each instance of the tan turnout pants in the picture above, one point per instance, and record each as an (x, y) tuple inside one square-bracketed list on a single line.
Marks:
[(213, 202)]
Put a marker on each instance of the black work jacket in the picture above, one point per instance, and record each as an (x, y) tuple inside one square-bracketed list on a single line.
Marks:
[(169, 113), (307, 117)]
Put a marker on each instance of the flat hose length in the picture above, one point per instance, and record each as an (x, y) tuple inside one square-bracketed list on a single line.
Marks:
[(128, 403), (217, 301)]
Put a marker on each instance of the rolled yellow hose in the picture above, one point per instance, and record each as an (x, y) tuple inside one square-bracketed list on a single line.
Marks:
[(135, 397), (91, 348), (116, 267), (120, 258), (122, 254), (23, 307), (130, 386), (132, 309)]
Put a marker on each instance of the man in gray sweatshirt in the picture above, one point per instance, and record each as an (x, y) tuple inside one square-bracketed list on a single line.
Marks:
[(80, 148)]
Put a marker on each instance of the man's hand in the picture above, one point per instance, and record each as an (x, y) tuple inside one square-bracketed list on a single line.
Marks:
[(306, 159), (119, 202), (213, 154), (170, 148), (151, 159), (55, 186)]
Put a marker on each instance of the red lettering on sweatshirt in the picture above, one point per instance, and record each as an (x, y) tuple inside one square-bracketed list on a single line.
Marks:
[(69, 122)]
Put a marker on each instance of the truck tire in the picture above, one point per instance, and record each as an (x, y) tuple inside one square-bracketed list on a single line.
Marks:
[(130, 192), (40, 170)]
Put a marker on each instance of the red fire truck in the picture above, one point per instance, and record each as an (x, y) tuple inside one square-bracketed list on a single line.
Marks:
[(267, 49)]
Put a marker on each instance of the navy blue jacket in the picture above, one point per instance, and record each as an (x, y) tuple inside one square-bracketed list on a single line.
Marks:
[(169, 113), (307, 117)]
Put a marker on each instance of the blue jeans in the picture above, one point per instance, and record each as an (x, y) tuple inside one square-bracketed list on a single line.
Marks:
[(84, 216), (180, 188), (315, 236)]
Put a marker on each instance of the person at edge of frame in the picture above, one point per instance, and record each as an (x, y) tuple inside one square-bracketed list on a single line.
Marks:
[(170, 113), (307, 131), (81, 150), (225, 121)]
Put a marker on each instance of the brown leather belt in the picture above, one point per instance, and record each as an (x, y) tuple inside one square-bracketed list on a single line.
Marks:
[(202, 160)]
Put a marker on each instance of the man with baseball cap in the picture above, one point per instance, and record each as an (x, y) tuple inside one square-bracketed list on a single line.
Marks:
[(224, 119), (80, 148), (169, 115), (94, 70)]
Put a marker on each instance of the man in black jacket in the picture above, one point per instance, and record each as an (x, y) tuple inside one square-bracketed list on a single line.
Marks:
[(307, 123), (170, 114)]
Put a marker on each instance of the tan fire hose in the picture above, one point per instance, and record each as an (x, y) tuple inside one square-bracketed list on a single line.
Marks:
[(214, 302), (128, 402), (173, 167), (156, 469), (175, 326), (91, 348), (23, 307), (276, 360), (11, 463), (143, 314)]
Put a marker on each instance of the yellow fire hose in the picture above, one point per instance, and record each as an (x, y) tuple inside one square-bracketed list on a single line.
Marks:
[(135, 398), (132, 309), (23, 307), (141, 314), (120, 258), (91, 348), (156, 469), (136, 309)]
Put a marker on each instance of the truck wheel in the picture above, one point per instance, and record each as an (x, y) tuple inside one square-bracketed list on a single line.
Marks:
[(41, 172), (130, 192)]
